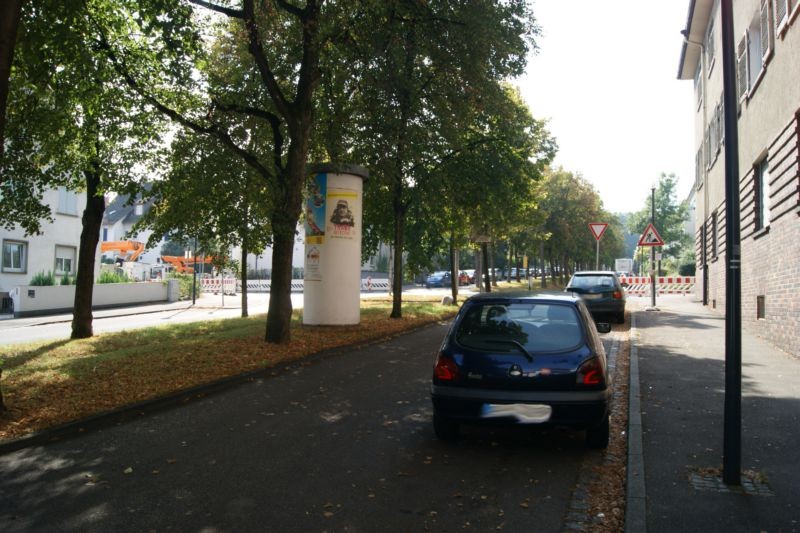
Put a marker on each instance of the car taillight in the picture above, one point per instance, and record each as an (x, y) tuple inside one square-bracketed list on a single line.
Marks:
[(591, 373), (617, 294), (445, 368)]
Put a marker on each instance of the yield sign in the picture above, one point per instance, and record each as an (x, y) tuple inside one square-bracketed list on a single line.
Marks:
[(598, 228), (650, 237)]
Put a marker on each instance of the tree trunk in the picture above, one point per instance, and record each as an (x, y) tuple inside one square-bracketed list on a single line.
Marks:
[(10, 13), (542, 264), (492, 268), (453, 267), (284, 225), (90, 235), (487, 275), (397, 277), (244, 274)]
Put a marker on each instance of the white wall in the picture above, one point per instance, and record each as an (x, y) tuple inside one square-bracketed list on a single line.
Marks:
[(60, 298), (41, 249)]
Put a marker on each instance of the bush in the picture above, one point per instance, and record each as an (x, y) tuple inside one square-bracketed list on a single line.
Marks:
[(113, 277), (43, 280), (184, 285), (67, 280), (687, 269)]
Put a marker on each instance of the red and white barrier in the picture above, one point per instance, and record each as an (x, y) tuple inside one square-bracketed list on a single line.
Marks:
[(640, 286), (215, 284)]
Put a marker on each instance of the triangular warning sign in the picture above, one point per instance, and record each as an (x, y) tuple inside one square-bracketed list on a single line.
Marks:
[(650, 237), (598, 228)]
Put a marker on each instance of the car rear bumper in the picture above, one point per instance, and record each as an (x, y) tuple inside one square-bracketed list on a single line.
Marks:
[(582, 409), (608, 306)]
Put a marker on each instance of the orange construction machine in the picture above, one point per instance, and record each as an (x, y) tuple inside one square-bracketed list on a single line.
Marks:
[(128, 250), (185, 264)]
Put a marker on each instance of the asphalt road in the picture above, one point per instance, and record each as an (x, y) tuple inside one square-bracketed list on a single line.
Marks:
[(343, 443)]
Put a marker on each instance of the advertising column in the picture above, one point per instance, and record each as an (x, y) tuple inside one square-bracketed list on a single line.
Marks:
[(332, 279)]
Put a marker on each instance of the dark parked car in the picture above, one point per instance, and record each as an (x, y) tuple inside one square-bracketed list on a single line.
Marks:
[(602, 293), (523, 359), (438, 279)]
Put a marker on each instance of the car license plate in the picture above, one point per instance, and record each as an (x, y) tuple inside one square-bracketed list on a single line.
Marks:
[(524, 413), (591, 296)]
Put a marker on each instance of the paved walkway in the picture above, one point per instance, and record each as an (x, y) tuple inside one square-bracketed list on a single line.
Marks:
[(680, 352)]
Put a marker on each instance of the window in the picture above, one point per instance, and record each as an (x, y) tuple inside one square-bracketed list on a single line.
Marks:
[(15, 256), (67, 202), (698, 84), (742, 76), (761, 307), (781, 10), (709, 47), (65, 259), (699, 171), (762, 194), (105, 234)]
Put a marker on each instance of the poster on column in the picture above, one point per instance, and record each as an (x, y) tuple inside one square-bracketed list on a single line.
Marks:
[(341, 221), (315, 226)]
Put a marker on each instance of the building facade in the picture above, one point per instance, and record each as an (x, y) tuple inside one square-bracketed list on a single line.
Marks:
[(54, 250), (767, 40)]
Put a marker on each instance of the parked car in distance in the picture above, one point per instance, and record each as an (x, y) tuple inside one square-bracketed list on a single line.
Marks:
[(522, 358), (463, 277), (438, 279), (470, 272), (602, 293)]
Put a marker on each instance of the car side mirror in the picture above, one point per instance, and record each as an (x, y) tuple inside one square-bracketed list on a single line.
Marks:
[(603, 327)]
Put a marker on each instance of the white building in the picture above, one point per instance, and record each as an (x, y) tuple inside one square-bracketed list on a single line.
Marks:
[(54, 250)]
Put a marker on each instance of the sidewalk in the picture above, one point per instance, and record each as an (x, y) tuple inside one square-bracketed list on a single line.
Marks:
[(680, 352)]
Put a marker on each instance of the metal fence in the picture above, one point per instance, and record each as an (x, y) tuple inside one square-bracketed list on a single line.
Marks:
[(264, 285)]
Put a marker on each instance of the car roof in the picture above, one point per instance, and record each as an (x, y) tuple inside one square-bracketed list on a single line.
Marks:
[(528, 296), (595, 273)]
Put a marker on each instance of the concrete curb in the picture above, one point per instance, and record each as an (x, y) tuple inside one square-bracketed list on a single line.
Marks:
[(636, 495)]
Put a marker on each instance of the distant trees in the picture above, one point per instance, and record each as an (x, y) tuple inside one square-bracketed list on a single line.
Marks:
[(670, 218)]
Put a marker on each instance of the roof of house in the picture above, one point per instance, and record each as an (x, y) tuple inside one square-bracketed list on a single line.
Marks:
[(122, 209), (694, 35)]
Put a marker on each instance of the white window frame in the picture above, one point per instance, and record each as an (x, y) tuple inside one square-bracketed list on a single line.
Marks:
[(22, 268), (762, 194), (783, 22), (71, 255), (67, 202), (698, 84), (709, 46)]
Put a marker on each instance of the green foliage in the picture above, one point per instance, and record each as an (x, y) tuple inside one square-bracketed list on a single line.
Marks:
[(107, 276), (66, 279), (185, 285), (41, 279), (670, 216)]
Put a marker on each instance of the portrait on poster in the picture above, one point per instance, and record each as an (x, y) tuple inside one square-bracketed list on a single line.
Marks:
[(341, 219)]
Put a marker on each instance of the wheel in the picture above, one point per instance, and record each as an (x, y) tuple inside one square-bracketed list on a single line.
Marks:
[(598, 437), (445, 429), (621, 317)]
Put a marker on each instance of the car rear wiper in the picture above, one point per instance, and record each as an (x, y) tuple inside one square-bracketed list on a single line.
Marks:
[(519, 345)]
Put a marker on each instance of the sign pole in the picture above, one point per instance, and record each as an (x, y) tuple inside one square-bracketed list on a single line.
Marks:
[(597, 257)]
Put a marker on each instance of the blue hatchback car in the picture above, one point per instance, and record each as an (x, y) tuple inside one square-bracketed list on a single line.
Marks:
[(523, 359)]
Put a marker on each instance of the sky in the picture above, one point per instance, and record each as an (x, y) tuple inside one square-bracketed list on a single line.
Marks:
[(605, 77)]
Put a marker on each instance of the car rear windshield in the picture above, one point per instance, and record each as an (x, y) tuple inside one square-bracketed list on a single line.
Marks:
[(590, 282), (538, 327)]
